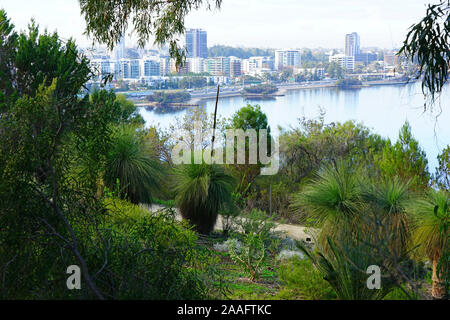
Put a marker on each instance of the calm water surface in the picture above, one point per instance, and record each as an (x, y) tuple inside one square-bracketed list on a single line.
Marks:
[(384, 109)]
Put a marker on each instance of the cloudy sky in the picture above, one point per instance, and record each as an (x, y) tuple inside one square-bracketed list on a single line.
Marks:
[(258, 23)]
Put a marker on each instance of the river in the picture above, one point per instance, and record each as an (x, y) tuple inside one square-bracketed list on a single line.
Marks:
[(384, 109)]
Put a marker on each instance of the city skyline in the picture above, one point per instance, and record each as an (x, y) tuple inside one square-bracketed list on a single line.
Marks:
[(383, 24)]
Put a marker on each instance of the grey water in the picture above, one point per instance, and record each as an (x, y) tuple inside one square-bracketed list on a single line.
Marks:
[(384, 109)]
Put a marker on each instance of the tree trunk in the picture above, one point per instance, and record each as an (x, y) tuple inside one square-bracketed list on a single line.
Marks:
[(438, 287)]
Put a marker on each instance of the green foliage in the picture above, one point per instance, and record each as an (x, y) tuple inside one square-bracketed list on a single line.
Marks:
[(264, 89), (363, 222), (130, 114), (48, 129), (442, 176), (255, 234), (201, 192), (432, 217), (331, 200), (192, 82), (427, 43), (128, 162), (242, 53), (250, 255), (405, 159), (164, 98), (335, 70), (107, 22), (344, 268), (301, 281), (249, 117), (256, 222)]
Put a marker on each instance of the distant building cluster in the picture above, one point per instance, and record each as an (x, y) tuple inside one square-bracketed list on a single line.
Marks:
[(150, 66)]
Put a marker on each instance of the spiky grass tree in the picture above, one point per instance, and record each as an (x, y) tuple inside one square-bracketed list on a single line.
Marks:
[(387, 201), (432, 218), (129, 165), (201, 191), (344, 265), (362, 224), (332, 201)]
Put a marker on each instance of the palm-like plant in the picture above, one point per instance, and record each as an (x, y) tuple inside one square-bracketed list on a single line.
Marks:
[(129, 164), (387, 201), (201, 191), (332, 200), (344, 265), (432, 219)]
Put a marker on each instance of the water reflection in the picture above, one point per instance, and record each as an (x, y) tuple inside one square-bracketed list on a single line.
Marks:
[(382, 108)]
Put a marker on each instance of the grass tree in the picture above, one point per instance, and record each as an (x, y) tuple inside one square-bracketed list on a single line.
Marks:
[(201, 191), (130, 168), (362, 223), (387, 201), (432, 218), (332, 201)]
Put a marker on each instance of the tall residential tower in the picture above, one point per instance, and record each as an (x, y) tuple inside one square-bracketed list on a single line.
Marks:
[(196, 43), (352, 44)]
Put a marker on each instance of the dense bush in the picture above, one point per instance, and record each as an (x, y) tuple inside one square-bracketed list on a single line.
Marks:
[(131, 255), (169, 97), (263, 89)]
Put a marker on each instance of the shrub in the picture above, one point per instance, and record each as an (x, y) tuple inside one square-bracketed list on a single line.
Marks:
[(302, 281), (151, 256), (251, 254)]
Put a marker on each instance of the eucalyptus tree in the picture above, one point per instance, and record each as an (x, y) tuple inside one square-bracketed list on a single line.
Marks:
[(108, 21), (427, 42)]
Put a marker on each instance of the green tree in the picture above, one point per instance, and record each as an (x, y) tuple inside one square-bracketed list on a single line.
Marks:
[(130, 114), (442, 176), (335, 70), (405, 159), (249, 117), (47, 127)]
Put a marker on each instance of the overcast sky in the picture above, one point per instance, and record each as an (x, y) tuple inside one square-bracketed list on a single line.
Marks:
[(258, 23)]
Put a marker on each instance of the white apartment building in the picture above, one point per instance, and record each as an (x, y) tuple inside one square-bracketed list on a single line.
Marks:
[(218, 66), (346, 62), (104, 67), (196, 65), (149, 67), (287, 58), (129, 69)]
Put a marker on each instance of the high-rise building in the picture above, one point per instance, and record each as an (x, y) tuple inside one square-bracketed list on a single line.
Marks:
[(119, 50), (196, 43), (352, 44), (287, 58)]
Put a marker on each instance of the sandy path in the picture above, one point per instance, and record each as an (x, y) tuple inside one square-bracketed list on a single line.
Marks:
[(292, 231)]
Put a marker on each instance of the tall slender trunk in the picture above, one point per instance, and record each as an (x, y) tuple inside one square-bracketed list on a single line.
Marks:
[(438, 286)]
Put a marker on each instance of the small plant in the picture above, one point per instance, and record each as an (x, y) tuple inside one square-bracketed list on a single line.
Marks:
[(251, 254)]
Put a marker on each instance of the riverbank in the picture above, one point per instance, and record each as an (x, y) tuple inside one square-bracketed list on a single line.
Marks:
[(200, 97)]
